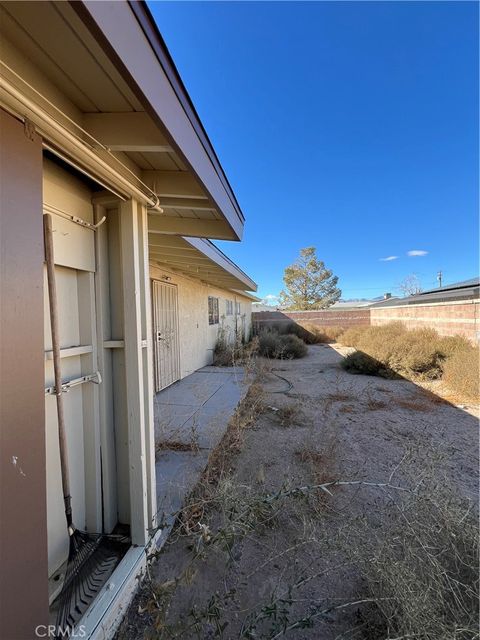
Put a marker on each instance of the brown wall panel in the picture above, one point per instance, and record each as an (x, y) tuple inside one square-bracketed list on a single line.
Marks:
[(23, 527)]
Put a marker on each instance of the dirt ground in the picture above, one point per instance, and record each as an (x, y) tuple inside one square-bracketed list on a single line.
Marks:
[(267, 560)]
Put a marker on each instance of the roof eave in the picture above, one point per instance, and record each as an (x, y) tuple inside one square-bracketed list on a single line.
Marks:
[(217, 256), (115, 25)]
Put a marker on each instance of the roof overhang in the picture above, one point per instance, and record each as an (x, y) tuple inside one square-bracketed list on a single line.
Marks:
[(200, 259), (96, 80), (245, 294)]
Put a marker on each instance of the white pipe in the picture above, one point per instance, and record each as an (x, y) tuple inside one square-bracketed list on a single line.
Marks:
[(80, 147)]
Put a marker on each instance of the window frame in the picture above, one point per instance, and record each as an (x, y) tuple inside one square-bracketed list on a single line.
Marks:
[(213, 313)]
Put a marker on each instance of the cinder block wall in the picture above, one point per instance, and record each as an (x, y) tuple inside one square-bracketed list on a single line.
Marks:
[(453, 318), (323, 318), (449, 319)]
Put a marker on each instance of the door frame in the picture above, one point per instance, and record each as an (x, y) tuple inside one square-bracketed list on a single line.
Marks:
[(157, 384)]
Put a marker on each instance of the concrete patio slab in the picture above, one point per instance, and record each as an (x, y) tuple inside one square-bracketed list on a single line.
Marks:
[(190, 392), (177, 474), (193, 412)]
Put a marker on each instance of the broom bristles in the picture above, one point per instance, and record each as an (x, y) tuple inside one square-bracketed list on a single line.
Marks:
[(91, 560)]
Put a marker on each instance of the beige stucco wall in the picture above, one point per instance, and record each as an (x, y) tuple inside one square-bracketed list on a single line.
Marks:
[(197, 337)]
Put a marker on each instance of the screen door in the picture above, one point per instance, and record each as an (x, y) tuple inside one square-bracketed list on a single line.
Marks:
[(165, 334)]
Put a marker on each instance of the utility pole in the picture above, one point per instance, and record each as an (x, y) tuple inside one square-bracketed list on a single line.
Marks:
[(439, 278)]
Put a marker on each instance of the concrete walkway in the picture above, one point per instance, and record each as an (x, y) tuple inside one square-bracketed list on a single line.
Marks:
[(191, 417)]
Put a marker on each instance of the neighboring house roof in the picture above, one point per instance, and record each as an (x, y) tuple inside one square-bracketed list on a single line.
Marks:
[(464, 284), (383, 301), (350, 304), (98, 83), (467, 290)]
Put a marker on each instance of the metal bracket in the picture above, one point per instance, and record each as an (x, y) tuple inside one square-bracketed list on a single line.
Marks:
[(89, 225), (28, 129), (68, 216), (96, 378)]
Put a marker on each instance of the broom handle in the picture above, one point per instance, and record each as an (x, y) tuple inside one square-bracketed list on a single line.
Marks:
[(53, 304)]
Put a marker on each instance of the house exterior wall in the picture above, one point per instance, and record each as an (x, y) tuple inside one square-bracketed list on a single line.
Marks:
[(197, 336), (23, 526)]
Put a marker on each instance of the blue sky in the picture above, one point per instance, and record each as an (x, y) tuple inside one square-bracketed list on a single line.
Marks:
[(350, 126)]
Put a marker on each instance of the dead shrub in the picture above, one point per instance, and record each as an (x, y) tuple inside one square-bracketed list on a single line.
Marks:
[(359, 362), (351, 336), (451, 344), (461, 372), (274, 345), (390, 350), (228, 353), (318, 334), (420, 565), (417, 351)]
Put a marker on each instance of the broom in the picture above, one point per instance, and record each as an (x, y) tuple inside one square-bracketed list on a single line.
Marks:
[(92, 556)]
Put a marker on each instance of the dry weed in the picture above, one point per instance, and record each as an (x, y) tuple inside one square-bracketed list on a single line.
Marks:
[(289, 415), (376, 405), (461, 372), (413, 405)]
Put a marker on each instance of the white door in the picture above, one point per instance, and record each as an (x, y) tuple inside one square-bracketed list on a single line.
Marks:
[(165, 334)]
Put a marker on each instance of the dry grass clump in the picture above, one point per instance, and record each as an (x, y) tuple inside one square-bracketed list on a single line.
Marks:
[(309, 332), (350, 337), (461, 372), (235, 352), (376, 405), (289, 415), (317, 334), (414, 405), (285, 347), (221, 459), (392, 349), (420, 566)]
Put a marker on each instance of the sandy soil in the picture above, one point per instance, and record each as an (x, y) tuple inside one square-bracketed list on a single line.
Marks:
[(319, 424)]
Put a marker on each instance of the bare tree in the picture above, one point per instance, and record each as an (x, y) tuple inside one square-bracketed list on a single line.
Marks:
[(410, 285)]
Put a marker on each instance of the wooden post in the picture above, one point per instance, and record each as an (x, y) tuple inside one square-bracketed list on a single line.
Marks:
[(148, 368), (107, 438), (134, 370)]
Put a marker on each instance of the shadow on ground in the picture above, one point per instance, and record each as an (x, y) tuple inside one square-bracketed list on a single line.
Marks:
[(274, 555)]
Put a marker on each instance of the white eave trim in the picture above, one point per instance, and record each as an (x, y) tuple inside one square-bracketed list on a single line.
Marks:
[(214, 254)]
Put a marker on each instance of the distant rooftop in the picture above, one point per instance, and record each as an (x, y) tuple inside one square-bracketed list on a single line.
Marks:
[(465, 290), (464, 284)]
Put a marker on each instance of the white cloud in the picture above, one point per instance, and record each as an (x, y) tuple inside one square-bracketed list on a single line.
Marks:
[(271, 299), (388, 259), (417, 252)]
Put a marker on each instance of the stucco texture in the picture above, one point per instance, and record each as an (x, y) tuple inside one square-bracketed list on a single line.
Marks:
[(197, 338)]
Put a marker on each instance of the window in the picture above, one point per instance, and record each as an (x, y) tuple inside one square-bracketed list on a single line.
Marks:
[(237, 308), (229, 308), (212, 310)]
